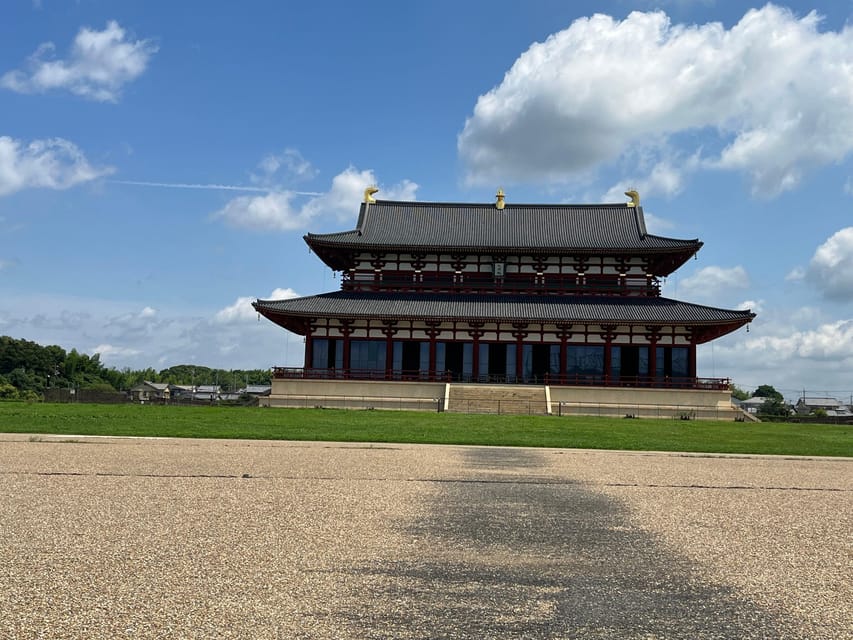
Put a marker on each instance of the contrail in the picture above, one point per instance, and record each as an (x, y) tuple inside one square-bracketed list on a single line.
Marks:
[(218, 187)]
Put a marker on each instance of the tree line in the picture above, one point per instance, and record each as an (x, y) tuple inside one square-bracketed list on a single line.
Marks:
[(774, 403), (28, 368)]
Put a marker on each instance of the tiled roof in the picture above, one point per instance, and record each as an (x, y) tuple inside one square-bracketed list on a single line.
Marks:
[(536, 227), (597, 309)]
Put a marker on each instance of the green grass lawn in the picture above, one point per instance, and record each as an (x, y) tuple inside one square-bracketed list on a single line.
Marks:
[(436, 428)]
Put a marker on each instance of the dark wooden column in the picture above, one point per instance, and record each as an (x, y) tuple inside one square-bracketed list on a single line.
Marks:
[(540, 263), (476, 332), (389, 329), (653, 335), (564, 332), (608, 333), (519, 334), (691, 355), (458, 261), (309, 347), (346, 332), (432, 332), (580, 267)]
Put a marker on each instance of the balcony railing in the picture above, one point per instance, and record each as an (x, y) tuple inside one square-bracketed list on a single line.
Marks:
[(313, 373), (551, 286), (569, 380)]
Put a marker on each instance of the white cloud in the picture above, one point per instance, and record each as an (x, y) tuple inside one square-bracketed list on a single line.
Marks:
[(603, 89), (664, 179), (53, 164), (99, 65), (271, 211), (282, 294), (831, 267), (277, 211), (756, 306), (792, 349), (128, 337), (710, 282), (108, 351), (796, 274), (242, 311), (832, 341), (289, 164)]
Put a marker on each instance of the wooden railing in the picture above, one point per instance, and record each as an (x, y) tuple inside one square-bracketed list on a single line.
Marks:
[(549, 287), (313, 373), (569, 380)]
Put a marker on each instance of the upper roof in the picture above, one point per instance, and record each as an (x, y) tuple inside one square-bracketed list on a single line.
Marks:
[(503, 308), (533, 228)]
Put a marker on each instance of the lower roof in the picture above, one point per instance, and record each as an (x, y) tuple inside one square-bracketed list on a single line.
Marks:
[(294, 313)]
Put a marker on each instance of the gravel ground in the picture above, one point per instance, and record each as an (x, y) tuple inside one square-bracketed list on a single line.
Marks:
[(148, 538)]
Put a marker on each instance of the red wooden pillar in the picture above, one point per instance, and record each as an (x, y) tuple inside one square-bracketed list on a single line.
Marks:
[(564, 333), (346, 332), (608, 334), (309, 351), (653, 336), (519, 334), (691, 361), (476, 332), (432, 332), (389, 330)]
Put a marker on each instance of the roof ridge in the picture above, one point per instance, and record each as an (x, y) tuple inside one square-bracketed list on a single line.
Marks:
[(508, 205)]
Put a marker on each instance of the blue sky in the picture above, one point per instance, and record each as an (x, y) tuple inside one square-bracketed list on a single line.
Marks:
[(160, 162)]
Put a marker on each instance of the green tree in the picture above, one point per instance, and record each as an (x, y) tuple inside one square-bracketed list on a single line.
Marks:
[(767, 391), (8, 392), (739, 393), (773, 407)]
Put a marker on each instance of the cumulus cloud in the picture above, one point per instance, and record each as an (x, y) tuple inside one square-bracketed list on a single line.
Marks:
[(242, 310), (831, 267), (289, 164), (710, 282), (604, 88), (128, 336), (756, 306), (663, 179), (791, 348), (109, 351), (278, 210), (830, 341), (54, 164), (99, 64)]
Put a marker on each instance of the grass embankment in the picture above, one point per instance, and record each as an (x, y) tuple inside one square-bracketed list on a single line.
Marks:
[(435, 428)]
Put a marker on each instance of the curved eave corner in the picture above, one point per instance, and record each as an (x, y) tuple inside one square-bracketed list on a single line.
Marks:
[(293, 324), (334, 256), (705, 334)]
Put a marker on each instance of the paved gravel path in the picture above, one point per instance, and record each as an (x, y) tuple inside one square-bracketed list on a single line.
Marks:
[(142, 538)]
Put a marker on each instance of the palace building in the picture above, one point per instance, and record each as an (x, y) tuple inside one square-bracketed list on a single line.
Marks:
[(555, 296)]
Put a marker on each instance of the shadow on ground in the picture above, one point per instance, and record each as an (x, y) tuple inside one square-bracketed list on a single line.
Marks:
[(536, 558)]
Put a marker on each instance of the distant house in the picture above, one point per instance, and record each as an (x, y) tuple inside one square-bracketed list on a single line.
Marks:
[(181, 391), (752, 405), (209, 392), (257, 390), (150, 391), (808, 405)]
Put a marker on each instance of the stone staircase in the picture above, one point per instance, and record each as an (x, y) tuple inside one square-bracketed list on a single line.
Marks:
[(498, 399)]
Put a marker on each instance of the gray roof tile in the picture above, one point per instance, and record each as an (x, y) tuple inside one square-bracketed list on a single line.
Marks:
[(597, 309), (554, 228)]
